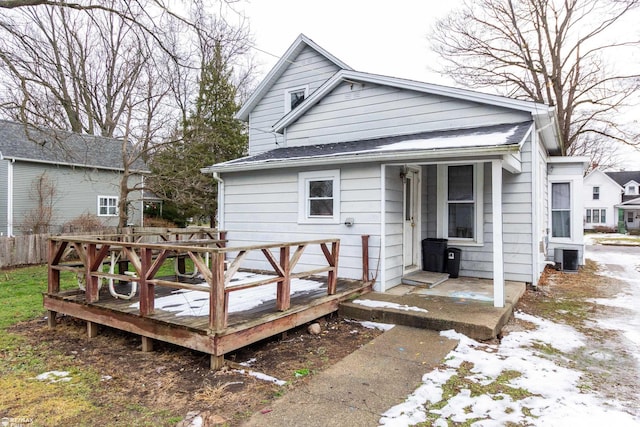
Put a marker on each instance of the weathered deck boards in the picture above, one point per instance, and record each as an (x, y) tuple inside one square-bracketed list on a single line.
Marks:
[(244, 327)]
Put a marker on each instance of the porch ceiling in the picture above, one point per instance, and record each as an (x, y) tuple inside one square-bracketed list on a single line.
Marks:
[(504, 139)]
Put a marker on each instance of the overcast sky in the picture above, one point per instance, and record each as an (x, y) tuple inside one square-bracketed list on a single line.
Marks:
[(387, 37)]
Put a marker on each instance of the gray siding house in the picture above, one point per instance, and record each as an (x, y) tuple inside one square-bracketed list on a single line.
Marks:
[(84, 173), (335, 152)]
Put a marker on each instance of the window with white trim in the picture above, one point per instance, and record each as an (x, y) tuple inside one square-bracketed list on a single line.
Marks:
[(107, 206), (596, 193), (632, 190), (294, 97), (461, 202), (596, 216), (561, 209), (319, 197)]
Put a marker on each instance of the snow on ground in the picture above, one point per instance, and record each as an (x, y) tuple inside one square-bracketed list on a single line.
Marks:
[(553, 390), (542, 368), (385, 304), (196, 303)]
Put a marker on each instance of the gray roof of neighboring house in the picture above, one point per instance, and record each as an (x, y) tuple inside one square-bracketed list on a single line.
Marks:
[(29, 143), (623, 177), (503, 135)]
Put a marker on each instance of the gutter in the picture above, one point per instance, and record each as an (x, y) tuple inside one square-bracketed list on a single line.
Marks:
[(363, 158), (73, 165)]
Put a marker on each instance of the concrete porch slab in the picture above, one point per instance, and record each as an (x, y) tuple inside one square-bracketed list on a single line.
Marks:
[(465, 305)]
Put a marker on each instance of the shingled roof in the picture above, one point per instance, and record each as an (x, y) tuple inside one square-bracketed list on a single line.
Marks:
[(623, 177), (29, 143)]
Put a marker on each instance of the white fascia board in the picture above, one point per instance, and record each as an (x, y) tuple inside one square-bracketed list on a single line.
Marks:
[(377, 156), (74, 165), (277, 70), (570, 159), (543, 112)]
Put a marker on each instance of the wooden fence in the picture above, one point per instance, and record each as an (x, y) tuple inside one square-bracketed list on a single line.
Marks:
[(32, 249)]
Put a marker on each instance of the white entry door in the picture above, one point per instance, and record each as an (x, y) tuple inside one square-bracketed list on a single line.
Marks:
[(411, 224)]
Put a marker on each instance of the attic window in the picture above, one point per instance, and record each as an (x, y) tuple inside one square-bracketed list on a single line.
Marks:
[(294, 97)]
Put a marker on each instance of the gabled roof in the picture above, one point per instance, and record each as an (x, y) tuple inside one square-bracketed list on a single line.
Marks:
[(624, 177), (604, 175), (289, 56), (28, 143), (543, 114), (498, 139)]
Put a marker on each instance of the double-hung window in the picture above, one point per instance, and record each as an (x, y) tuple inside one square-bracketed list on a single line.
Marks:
[(561, 209), (461, 202), (596, 193), (107, 206), (596, 216), (319, 197)]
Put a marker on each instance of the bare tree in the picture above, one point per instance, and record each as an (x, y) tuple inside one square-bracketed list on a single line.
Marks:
[(558, 52), (43, 193)]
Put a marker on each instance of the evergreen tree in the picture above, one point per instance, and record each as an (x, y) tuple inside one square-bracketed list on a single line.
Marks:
[(210, 135)]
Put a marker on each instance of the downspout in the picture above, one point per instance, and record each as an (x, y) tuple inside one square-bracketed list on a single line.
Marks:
[(10, 198), (220, 212)]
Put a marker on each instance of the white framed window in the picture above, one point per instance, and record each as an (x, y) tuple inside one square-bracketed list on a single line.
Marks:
[(596, 216), (294, 97), (561, 209), (460, 202), (107, 206), (632, 190), (596, 193), (319, 197)]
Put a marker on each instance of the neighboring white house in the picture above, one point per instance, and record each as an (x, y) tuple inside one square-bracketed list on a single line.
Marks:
[(601, 193), (337, 152), (76, 174), (629, 204)]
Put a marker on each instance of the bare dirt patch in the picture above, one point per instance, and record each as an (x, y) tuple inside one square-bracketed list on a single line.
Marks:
[(161, 387)]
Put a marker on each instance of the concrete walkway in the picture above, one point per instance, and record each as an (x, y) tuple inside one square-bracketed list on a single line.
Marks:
[(363, 385)]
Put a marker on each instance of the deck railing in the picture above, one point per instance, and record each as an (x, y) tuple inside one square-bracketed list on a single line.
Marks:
[(207, 249)]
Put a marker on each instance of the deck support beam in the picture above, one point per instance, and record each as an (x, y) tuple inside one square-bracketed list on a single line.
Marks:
[(217, 362), (498, 255)]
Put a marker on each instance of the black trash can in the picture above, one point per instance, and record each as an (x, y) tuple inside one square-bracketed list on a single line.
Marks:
[(433, 254), (453, 262)]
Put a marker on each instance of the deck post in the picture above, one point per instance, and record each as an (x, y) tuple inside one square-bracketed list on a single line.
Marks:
[(332, 281), (147, 344), (365, 257), (283, 300), (51, 318), (53, 285), (147, 297), (91, 281), (217, 306), (92, 330), (217, 362)]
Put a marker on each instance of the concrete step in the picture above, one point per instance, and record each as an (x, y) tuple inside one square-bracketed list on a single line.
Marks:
[(479, 320), (425, 279)]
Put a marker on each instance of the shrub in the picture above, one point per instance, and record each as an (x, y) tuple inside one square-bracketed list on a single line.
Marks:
[(83, 224)]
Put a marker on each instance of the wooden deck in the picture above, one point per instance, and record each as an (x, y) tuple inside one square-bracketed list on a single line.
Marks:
[(203, 313)]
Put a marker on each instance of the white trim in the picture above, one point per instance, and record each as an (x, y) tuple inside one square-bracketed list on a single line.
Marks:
[(10, 198), (289, 91), (442, 210), (117, 199), (536, 198), (304, 178), (498, 255), (381, 285), (576, 226), (417, 229)]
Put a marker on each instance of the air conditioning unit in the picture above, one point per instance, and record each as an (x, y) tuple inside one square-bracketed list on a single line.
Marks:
[(566, 259)]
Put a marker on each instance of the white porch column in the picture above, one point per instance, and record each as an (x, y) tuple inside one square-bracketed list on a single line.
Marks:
[(498, 256)]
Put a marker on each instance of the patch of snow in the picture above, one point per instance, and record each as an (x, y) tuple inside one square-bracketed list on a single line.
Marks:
[(453, 141), (196, 303), (377, 325), (248, 362), (54, 376), (555, 398), (385, 304), (261, 376), (471, 295)]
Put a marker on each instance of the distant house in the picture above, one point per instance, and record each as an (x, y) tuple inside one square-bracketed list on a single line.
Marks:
[(338, 152), (601, 193), (60, 176), (629, 204)]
